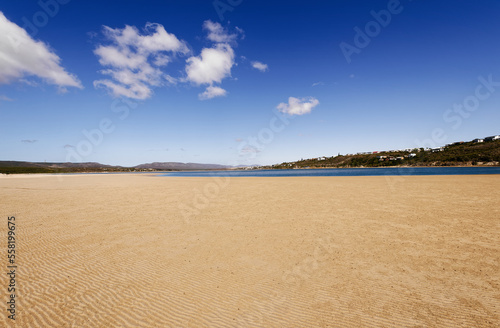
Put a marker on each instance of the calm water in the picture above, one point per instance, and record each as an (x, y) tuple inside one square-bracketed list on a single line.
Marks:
[(342, 172)]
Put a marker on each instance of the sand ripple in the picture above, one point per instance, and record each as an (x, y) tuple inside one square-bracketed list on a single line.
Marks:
[(115, 251)]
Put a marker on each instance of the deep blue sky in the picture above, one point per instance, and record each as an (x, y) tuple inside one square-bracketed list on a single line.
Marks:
[(397, 92)]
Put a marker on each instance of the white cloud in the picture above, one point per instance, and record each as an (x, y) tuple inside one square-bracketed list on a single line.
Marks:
[(298, 106), (5, 98), (213, 65), (260, 66), (317, 83), (157, 40), (217, 33), (241, 32), (133, 60), (22, 56), (161, 60), (212, 92), (135, 91)]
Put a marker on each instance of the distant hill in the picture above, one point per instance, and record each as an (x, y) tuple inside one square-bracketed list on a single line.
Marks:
[(10, 167), (458, 154), (479, 152), (54, 165)]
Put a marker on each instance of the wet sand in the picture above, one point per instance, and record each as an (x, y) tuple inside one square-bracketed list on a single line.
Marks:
[(145, 251)]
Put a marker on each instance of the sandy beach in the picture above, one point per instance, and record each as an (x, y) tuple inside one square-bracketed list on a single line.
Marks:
[(124, 250)]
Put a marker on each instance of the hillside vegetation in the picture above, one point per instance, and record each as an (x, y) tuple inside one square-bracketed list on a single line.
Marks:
[(12, 167), (458, 154)]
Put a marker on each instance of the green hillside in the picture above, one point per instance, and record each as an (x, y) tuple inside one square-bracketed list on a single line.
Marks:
[(458, 154)]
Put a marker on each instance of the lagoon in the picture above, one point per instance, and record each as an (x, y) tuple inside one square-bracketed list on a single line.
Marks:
[(386, 171)]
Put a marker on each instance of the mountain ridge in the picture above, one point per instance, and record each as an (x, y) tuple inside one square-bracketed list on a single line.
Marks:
[(67, 167)]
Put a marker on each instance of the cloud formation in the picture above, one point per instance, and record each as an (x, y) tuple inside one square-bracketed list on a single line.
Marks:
[(212, 92), (298, 106), (21, 56), (213, 64), (217, 33), (260, 66), (133, 60)]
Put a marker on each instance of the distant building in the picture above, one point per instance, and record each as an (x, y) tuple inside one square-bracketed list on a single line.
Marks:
[(478, 140), (435, 150), (492, 138), (412, 155)]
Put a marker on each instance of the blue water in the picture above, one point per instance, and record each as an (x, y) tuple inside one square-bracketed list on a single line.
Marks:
[(341, 172)]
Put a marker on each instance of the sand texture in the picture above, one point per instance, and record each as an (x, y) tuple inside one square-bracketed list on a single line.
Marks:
[(145, 251)]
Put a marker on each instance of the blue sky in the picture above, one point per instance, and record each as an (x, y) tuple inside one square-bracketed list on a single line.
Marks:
[(243, 82)]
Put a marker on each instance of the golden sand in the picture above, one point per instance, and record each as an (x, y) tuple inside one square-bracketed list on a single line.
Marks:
[(145, 251)]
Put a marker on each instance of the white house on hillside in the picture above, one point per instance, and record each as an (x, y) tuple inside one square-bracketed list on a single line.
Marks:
[(492, 138)]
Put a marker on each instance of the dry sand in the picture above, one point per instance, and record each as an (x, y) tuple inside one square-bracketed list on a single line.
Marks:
[(118, 251)]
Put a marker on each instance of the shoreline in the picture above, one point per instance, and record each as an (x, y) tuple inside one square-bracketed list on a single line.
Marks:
[(238, 170)]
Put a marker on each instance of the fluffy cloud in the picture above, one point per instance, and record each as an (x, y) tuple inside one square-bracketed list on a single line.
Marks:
[(298, 106), (213, 65), (260, 66), (22, 56), (133, 60), (217, 33), (212, 92)]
